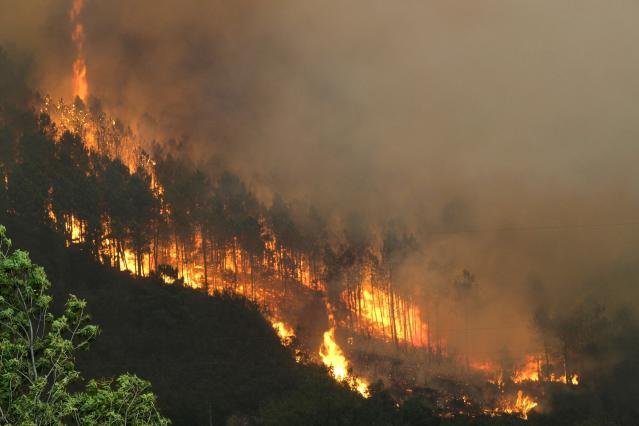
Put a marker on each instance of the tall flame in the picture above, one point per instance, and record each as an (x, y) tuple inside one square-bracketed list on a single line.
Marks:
[(80, 84), (333, 357), (522, 405)]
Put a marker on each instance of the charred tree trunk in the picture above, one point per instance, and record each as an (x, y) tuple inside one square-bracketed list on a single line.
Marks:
[(566, 365), (177, 255), (234, 264), (253, 263), (204, 260), (391, 301)]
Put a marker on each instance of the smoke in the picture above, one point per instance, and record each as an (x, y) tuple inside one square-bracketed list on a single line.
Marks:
[(502, 134)]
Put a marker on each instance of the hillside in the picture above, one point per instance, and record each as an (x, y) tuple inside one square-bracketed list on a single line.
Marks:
[(201, 353)]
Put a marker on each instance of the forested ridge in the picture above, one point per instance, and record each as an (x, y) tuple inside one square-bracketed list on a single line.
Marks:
[(212, 356), (209, 355)]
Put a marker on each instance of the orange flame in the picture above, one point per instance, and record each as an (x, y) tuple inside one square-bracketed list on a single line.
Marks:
[(80, 83), (522, 405), (284, 331), (333, 357), (530, 372)]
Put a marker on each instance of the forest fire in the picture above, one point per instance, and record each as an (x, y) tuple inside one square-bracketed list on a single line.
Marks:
[(532, 372), (318, 212), (333, 358), (271, 276), (402, 322), (522, 405), (284, 331), (80, 83)]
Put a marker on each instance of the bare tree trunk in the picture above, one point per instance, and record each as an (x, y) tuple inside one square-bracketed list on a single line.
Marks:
[(253, 277), (156, 239), (566, 366), (204, 261), (234, 264), (547, 359), (392, 306), (177, 256)]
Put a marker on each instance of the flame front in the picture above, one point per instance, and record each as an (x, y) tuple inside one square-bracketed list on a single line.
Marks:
[(530, 372), (284, 331), (523, 404), (333, 357)]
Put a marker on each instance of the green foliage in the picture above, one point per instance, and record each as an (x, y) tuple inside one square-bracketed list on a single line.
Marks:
[(129, 402), (37, 363)]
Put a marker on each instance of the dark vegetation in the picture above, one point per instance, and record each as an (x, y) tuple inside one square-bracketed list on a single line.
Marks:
[(40, 383), (216, 358), (207, 357)]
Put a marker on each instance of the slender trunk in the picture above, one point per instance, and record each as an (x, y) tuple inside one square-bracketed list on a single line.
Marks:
[(156, 239), (467, 348), (280, 267), (253, 277), (349, 300), (234, 264), (117, 254), (546, 359), (429, 333), (359, 304), (185, 270), (374, 306), (566, 366), (206, 276), (392, 306), (538, 359), (216, 265), (177, 256), (404, 319)]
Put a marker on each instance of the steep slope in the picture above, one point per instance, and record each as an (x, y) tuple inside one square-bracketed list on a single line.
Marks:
[(206, 356)]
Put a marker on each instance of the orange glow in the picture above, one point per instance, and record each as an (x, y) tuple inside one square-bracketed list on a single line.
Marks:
[(530, 372), (574, 379), (284, 331), (484, 366), (523, 404), (80, 83), (333, 357), (201, 263), (385, 318)]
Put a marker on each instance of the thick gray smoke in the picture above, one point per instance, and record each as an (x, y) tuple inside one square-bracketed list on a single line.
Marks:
[(503, 133)]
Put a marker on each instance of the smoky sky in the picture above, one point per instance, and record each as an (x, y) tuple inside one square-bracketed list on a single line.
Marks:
[(504, 134)]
